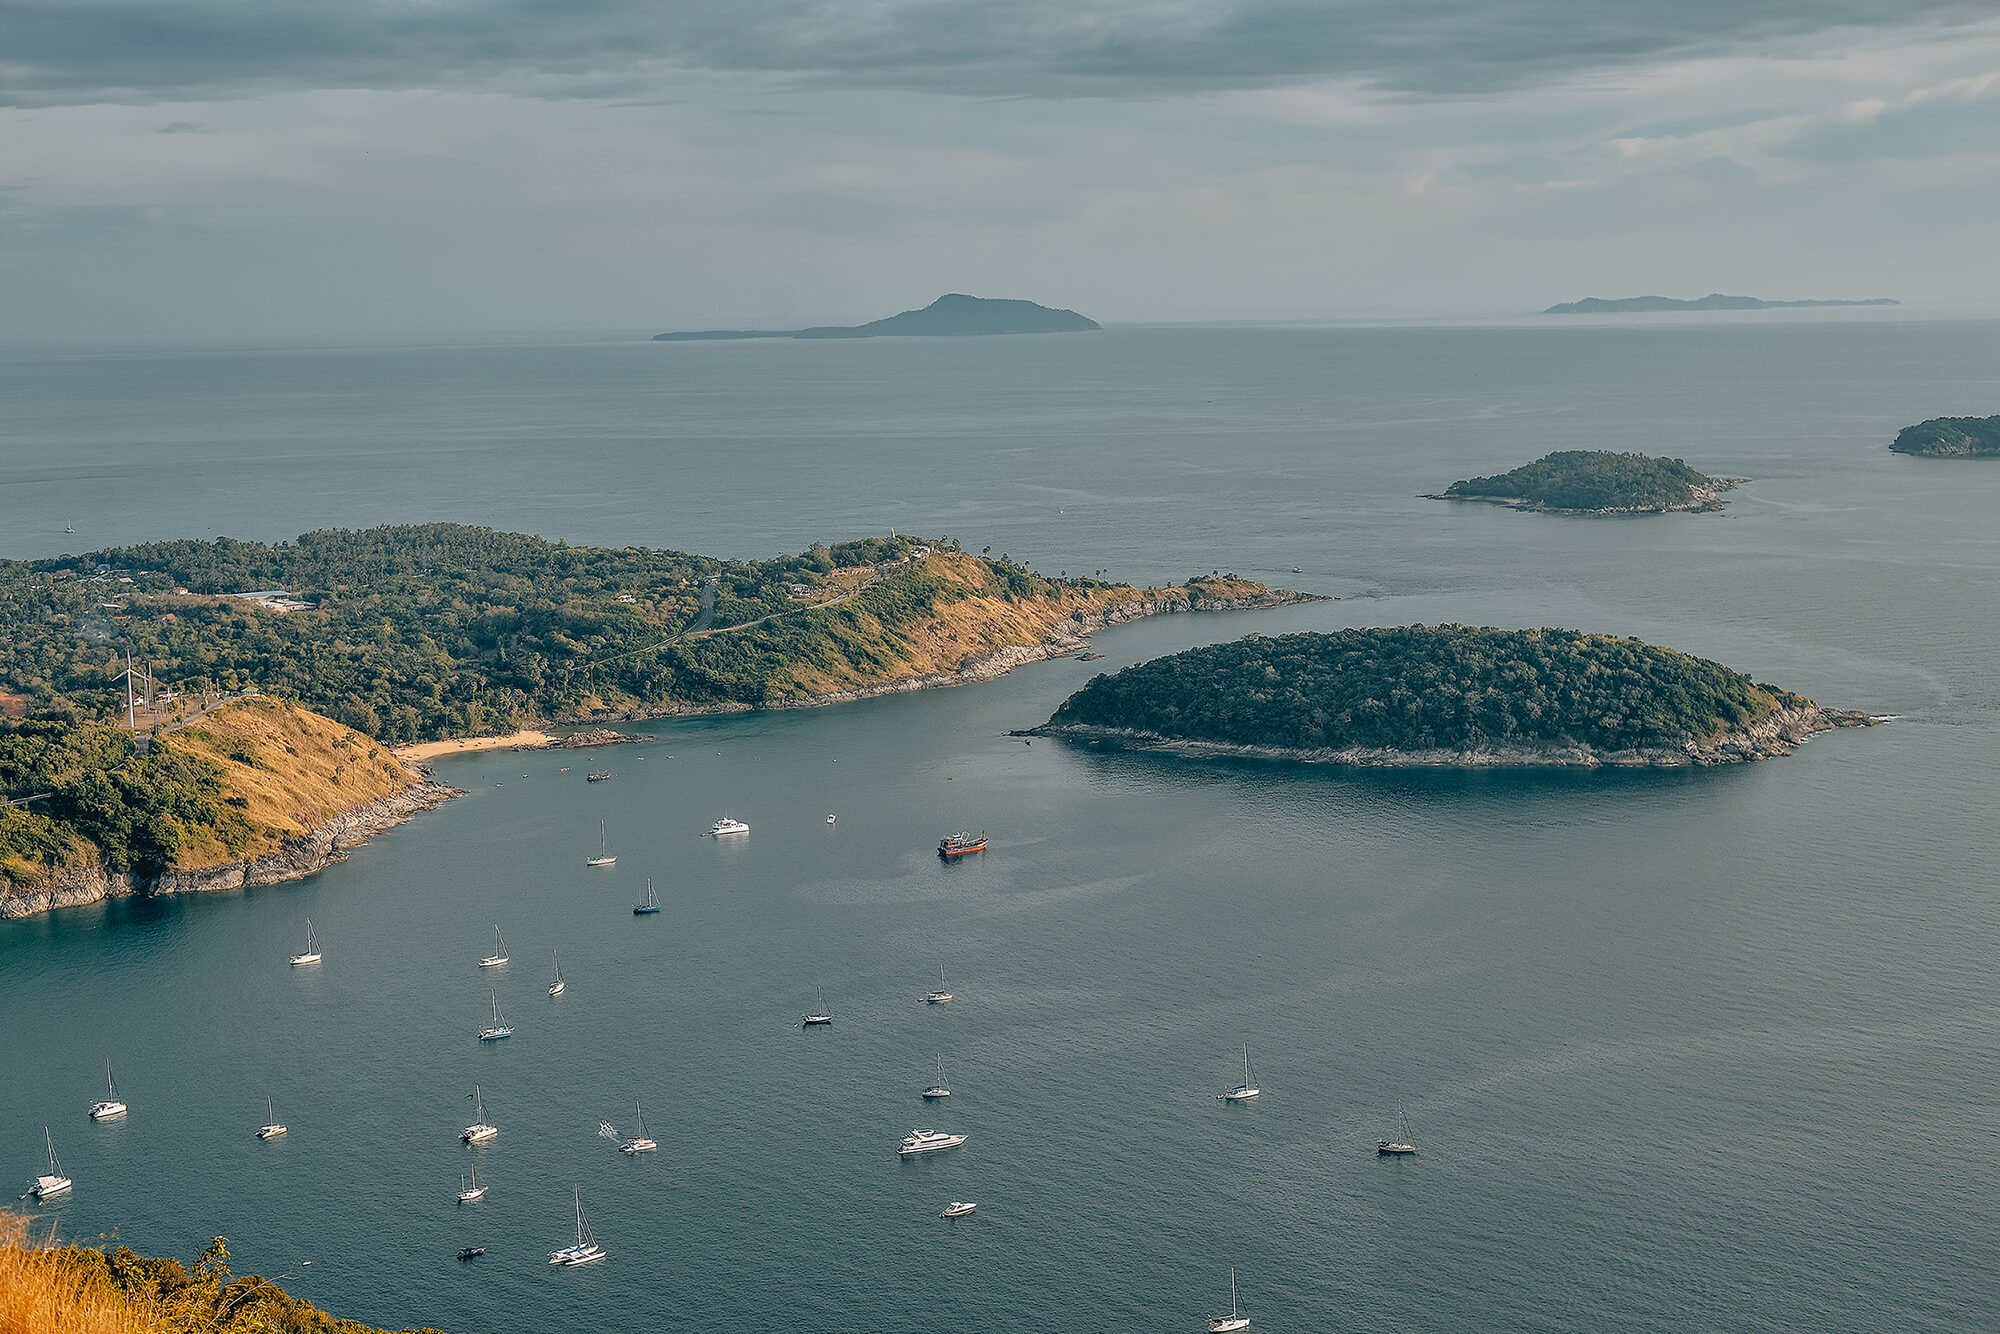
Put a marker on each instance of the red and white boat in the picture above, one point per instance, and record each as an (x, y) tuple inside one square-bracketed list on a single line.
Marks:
[(957, 845)]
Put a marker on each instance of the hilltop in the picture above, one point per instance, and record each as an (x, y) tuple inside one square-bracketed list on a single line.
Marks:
[(1448, 695), (1646, 305), (1597, 481), (952, 316), (1951, 438)]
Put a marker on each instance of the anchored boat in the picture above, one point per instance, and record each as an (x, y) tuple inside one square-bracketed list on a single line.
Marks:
[(312, 954), (478, 1131), (585, 1250), (52, 1182), (958, 845), (928, 1141), (110, 1107)]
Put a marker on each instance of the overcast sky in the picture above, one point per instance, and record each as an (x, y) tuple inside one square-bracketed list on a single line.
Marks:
[(360, 167)]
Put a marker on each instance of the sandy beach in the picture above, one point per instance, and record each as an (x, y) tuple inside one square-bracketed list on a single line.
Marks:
[(430, 750)]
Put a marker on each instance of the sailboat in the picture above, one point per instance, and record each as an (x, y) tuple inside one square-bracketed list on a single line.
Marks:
[(478, 1131), (53, 1182), (1403, 1146), (556, 987), (499, 955), (651, 905), (638, 1143), (272, 1128), (312, 946), (603, 857), (939, 1089), (940, 996), (586, 1250), (110, 1107), (499, 1029), (1224, 1324), (1242, 1093), (467, 1194), (818, 1015)]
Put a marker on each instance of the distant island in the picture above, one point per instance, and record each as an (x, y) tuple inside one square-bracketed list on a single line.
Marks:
[(1596, 481), (1447, 695), (1646, 305), (952, 316), (1951, 438)]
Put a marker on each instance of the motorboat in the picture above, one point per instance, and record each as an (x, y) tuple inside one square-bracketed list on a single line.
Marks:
[(598, 777), (470, 1252), (928, 1141), (940, 996), (556, 987), (585, 1250), (958, 845), (603, 857), (272, 1128), (939, 1089), (1246, 1090), (478, 1131), (499, 955), (1226, 1324), (110, 1107), (639, 1143), (1400, 1148), (829, 819), (727, 826), (468, 1193), (52, 1182), (499, 1029), (958, 1209), (312, 954), (651, 905), (818, 1014)]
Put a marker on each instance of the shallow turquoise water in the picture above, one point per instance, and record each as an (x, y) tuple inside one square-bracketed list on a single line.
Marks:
[(1681, 1051)]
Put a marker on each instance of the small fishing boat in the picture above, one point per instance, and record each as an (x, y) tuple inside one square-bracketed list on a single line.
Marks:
[(556, 987), (1402, 1147), (52, 1182), (1227, 1324), (639, 1143), (958, 1209), (272, 1128), (469, 1252), (585, 1250), (499, 1029), (478, 1131), (603, 857), (1246, 1090), (818, 1014), (726, 825), (651, 905), (960, 844), (829, 819), (312, 954), (598, 777), (110, 1107), (499, 955), (940, 996), (939, 1089), (468, 1193), (928, 1141)]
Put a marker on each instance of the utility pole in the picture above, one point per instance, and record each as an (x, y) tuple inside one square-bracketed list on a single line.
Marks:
[(131, 721)]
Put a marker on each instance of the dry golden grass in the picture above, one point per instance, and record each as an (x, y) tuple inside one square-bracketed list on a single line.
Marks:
[(302, 769), (47, 1292)]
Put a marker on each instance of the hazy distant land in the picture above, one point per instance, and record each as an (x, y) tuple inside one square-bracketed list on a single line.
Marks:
[(1645, 305), (952, 316), (1951, 438)]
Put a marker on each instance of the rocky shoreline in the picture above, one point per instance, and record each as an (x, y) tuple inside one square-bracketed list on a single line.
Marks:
[(1779, 733), (297, 857), (1705, 500)]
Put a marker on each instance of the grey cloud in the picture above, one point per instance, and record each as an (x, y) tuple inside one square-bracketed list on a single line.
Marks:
[(72, 51)]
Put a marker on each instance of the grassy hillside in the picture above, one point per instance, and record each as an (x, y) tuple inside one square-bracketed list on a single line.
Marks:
[(1595, 479), (1446, 687)]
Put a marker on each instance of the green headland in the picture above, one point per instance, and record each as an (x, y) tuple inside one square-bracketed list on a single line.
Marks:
[(1951, 438), (1597, 481)]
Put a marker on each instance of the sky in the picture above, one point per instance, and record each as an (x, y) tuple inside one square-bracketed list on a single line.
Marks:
[(302, 168)]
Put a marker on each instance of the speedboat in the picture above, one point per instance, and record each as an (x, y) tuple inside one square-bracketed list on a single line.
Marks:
[(110, 1107), (1246, 1090), (958, 1209), (940, 996), (312, 954), (467, 1194), (727, 826), (478, 1131), (928, 1141), (52, 1182), (272, 1128), (1227, 1324), (585, 1250)]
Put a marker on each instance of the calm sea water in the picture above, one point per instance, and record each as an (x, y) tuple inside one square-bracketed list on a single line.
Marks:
[(1709, 1051)]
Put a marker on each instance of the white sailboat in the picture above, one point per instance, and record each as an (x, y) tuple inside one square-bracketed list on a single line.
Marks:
[(1225, 1324), (499, 1029), (941, 995), (556, 987), (110, 1107), (639, 1143), (478, 1132), (939, 1089), (818, 1014), (585, 1250), (1403, 1147), (467, 1194), (1246, 1090), (499, 955), (312, 947), (52, 1182), (603, 857), (272, 1128)]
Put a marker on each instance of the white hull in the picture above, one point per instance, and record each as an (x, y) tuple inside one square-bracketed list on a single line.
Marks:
[(938, 1092), (1229, 1326), (958, 1209), (495, 1034), (44, 1187), (271, 1131), (724, 827), (478, 1134), (555, 988), (924, 1141), (576, 1255), (493, 962), (936, 997), (600, 861), (468, 1196), (638, 1146), (298, 959), (1241, 1094), (106, 1111), (1388, 1150)]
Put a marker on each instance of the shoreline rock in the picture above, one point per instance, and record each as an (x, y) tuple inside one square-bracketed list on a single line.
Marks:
[(294, 859), (1779, 733)]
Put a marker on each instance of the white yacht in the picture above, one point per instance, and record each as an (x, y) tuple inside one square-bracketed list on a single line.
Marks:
[(312, 947), (586, 1250), (603, 857), (928, 1141), (53, 1182), (478, 1131), (1242, 1092), (272, 1128), (499, 1029), (110, 1107), (1226, 1324), (939, 1089), (727, 826), (1400, 1148), (958, 1209), (467, 1194), (556, 987), (639, 1143), (499, 955), (940, 996), (818, 1014)]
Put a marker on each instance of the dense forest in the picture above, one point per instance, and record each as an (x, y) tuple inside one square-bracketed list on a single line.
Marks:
[(438, 630), (1951, 437), (1448, 687), (1593, 479)]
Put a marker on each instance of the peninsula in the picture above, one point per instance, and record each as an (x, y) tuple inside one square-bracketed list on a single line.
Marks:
[(1951, 438), (1446, 696), (953, 316), (1648, 305), (1596, 481)]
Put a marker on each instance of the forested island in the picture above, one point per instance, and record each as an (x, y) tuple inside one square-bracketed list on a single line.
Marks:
[(1447, 695), (954, 315), (1647, 305), (1597, 481), (1951, 438)]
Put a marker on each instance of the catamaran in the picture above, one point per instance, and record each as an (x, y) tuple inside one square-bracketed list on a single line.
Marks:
[(1225, 1324), (52, 1182), (312, 946), (940, 996), (1246, 1090), (818, 1014), (1403, 1146), (639, 1143), (586, 1250), (110, 1107), (272, 1128), (726, 825), (928, 1141), (467, 1194), (651, 905), (499, 1029), (603, 857), (478, 1131), (556, 987), (939, 1089), (499, 955)]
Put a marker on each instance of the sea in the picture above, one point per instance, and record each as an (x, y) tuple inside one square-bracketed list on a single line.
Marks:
[(1680, 1051)]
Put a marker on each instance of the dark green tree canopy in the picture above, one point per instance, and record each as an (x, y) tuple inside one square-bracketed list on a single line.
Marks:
[(1591, 479)]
